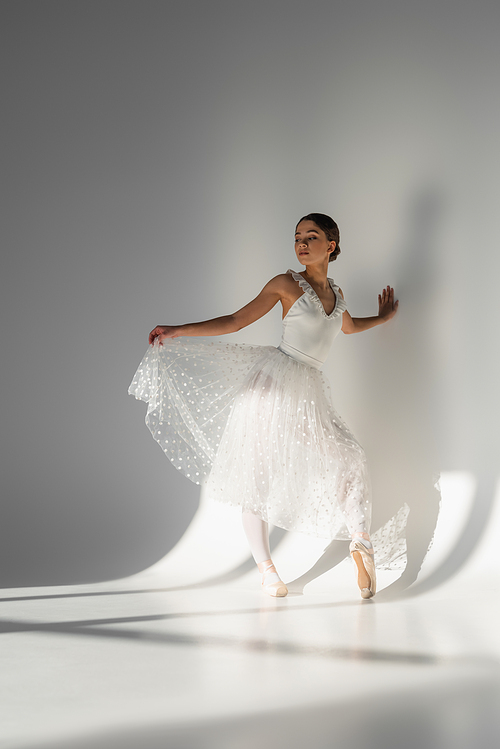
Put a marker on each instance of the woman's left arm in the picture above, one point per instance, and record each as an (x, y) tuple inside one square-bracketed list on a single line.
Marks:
[(387, 308)]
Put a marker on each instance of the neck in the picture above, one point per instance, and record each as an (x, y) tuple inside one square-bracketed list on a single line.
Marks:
[(317, 273)]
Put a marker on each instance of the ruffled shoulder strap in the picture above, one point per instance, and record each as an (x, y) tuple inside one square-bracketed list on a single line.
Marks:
[(304, 285), (340, 304)]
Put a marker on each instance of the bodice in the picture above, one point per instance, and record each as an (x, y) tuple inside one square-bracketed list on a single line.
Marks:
[(308, 332)]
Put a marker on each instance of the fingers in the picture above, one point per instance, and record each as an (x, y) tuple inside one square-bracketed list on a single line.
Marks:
[(156, 335), (387, 293), (387, 297), (159, 333)]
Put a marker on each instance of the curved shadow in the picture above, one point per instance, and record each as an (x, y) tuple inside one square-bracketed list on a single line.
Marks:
[(461, 552), (275, 537), (335, 553), (465, 545)]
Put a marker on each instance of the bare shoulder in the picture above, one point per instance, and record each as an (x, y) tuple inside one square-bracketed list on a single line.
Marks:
[(282, 286), (281, 282), (341, 293)]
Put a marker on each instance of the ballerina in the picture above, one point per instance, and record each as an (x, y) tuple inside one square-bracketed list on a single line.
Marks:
[(256, 425)]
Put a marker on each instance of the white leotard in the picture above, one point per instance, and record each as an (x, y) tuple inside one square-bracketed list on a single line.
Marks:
[(308, 332)]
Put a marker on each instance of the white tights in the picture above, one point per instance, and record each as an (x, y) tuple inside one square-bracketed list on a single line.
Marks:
[(257, 533)]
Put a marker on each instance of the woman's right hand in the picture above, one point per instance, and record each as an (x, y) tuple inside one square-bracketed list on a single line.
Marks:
[(163, 331)]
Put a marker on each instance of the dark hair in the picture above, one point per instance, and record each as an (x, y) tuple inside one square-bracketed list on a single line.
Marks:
[(330, 228)]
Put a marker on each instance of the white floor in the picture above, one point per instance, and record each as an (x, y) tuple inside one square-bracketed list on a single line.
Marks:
[(158, 660)]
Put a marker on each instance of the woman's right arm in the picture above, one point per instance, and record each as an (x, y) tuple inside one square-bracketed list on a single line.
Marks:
[(272, 292)]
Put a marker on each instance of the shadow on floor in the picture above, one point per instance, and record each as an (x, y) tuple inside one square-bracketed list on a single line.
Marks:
[(458, 717)]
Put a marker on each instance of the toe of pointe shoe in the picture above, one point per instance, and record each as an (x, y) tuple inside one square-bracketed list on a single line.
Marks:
[(277, 590)]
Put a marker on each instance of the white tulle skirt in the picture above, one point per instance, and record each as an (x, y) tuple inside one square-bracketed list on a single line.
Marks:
[(259, 430)]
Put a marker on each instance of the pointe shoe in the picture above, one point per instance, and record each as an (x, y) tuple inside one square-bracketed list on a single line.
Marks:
[(365, 565), (279, 589)]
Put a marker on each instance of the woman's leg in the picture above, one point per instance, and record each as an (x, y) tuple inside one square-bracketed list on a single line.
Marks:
[(257, 533), (356, 508), (357, 515)]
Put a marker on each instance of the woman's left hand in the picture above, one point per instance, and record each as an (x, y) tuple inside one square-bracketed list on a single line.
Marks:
[(387, 307)]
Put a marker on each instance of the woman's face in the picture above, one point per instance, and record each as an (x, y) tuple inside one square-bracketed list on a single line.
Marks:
[(311, 244)]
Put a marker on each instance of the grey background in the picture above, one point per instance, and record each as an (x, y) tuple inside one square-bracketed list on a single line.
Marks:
[(155, 159)]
